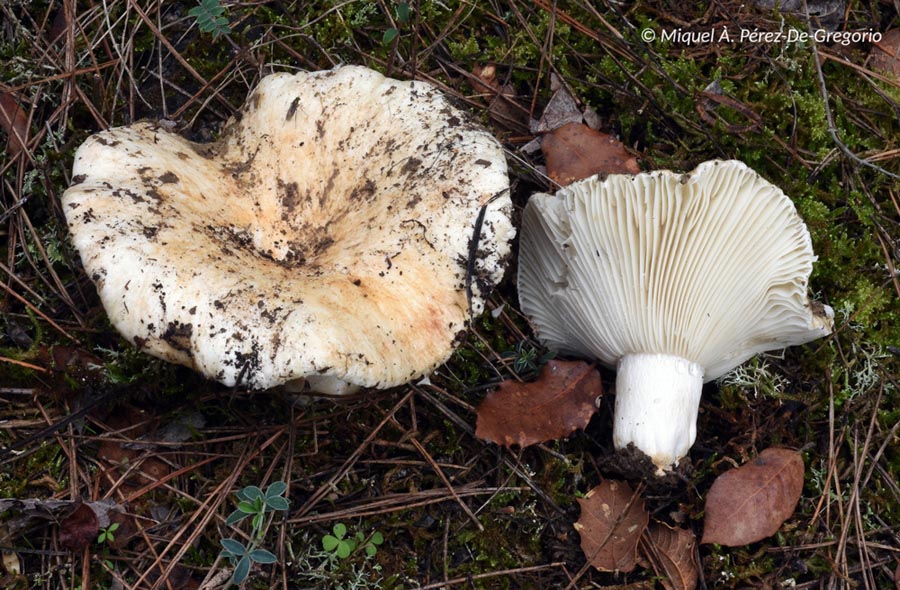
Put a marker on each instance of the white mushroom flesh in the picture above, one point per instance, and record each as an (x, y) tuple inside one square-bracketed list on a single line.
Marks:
[(657, 400), (709, 267), (326, 234)]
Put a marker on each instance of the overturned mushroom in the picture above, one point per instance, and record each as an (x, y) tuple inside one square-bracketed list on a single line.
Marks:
[(675, 279), (342, 230)]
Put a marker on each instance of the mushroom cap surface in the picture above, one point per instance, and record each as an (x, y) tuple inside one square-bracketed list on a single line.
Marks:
[(326, 233), (710, 266)]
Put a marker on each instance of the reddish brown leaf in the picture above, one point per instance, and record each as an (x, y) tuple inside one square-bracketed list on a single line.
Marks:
[(79, 528), (561, 401), (750, 503), (671, 550), (127, 530), (611, 523), (18, 516), (885, 55), (575, 151), (14, 121)]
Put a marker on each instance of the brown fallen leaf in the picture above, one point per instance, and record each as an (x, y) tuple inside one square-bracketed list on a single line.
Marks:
[(79, 528), (575, 151), (885, 55), (750, 503), (14, 121), (561, 401), (611, 523), (671, 551), (19, 516)]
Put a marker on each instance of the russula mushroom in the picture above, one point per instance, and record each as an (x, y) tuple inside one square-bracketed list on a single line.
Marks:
[(675, 279), (342, 230)]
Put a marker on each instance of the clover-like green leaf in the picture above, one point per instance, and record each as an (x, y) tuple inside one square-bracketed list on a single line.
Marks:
[(234, 547), (277, 488), (277, 503), (235, 517), (330, 543), (252, 493), (339, 530), (247, 507), (263, 556), (241, 570), (345, 548)]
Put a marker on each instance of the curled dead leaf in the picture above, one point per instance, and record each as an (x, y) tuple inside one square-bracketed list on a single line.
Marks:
[(885, 55), (575, 151), (612, 521), (14, 121), (671, 552), (561, 401), (79, 528), (750, 503), (18, 516), (561, 110), (500, 97)]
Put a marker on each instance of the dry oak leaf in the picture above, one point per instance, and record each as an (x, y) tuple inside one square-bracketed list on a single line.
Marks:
[(561, 401), (575, 151), (611, 523), (671, 551), (750, 503)]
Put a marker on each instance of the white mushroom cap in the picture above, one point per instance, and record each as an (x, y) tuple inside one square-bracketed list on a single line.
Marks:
[(690, 274), (326, 234)]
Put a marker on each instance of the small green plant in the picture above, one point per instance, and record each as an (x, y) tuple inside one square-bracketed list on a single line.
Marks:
[(341, 546), (210, 17), (401, 12), (310, 566), (253, 502), (106, 535), (526, 357)]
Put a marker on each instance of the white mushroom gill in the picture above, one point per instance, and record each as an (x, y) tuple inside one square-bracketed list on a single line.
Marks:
[(675, 279), (325, 236)]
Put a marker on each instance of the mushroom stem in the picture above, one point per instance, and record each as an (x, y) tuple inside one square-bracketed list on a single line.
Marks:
[(657, 398), (324, 384)]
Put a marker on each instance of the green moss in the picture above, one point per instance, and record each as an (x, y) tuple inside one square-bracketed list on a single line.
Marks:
[(507, 542), (465, 50)]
